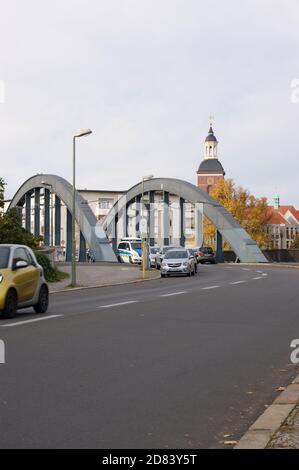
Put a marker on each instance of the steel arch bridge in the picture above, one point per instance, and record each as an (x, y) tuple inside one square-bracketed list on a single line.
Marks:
[(91, 233), (242, 244), (143, 196)]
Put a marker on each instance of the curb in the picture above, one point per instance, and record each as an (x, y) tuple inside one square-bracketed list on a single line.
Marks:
[(263, 429), (70, 289)]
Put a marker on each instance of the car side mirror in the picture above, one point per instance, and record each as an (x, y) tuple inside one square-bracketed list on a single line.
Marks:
[(191, 257), (20, 264)]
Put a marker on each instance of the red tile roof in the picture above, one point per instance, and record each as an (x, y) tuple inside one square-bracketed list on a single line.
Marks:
[(285, 209), (273, 216)]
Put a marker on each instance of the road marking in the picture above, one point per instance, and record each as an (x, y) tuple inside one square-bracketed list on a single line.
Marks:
[(246, 269), (256, 278), (237, 282), (264, 274), (48, 317), (173, 293), (210, 287), (118, 304), (260, 272)]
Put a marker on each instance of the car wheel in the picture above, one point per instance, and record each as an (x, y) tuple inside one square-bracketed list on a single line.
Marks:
[(43, 300), (130, 260), (162, 275), (11, 304)]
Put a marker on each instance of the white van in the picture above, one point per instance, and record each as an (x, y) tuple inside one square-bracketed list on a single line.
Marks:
[(129, 250)]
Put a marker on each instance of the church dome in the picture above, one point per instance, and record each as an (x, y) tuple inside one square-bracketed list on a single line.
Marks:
[(211, 137), (212, 165)]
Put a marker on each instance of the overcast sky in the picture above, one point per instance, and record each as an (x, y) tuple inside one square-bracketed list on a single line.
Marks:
[(145, 76)]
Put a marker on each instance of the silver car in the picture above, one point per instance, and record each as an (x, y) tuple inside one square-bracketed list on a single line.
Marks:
[(178, 261), (153, 250), (161, 253)]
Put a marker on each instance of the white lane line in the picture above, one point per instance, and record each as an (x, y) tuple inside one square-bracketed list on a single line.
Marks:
[(260, 272), (264, 274), (118, 304), (210, 287), (246, 269), (173, 293), (256, 278), (18, 323), (237, 282)]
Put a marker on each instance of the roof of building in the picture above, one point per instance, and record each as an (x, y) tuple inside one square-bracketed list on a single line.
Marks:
[(284, 209), (211, 165), (210, 137), (100, 191), (273, 217)]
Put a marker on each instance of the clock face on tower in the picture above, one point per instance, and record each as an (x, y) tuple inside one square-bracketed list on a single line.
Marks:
[(210, 181)]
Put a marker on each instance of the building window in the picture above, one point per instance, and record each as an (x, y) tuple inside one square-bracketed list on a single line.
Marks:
[(105, 203)]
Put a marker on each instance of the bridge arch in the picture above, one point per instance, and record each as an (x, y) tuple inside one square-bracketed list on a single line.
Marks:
[(244, 247), (91, 232)]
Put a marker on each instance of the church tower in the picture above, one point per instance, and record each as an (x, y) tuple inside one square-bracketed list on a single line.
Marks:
[(210, 170)]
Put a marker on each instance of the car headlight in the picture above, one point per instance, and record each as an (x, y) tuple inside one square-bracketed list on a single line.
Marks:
[(1, 278), (164, 263), (185, 263)]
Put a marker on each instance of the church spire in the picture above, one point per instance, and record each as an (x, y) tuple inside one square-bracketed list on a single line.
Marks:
[(211, 143)]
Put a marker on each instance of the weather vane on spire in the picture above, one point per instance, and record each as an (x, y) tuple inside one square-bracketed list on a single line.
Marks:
[(211, 118)]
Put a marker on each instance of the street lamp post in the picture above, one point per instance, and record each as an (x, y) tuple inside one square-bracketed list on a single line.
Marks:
[(81, 133), (144, 238)]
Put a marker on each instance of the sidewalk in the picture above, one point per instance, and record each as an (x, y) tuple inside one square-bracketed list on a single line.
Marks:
[(101, 274), (287, 437), (278, 426)]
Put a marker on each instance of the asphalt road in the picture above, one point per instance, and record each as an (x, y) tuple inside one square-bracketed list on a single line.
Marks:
[(172, 363)]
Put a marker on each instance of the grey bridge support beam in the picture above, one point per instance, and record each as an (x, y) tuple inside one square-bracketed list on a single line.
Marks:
[(165, 218), (57, 239), (27, 211), (47, 217), (37, 212)]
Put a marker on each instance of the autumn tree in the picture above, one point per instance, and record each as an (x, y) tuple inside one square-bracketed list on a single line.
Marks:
[(295, 244), (248, 210)]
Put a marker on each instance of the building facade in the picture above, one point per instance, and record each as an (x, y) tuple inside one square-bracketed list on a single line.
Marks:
[(281, 225)]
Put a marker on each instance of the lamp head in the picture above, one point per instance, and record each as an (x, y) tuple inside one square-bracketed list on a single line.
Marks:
[(82, 133)]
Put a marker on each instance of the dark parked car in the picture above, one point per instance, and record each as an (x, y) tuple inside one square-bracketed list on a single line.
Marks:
[(206, 254)]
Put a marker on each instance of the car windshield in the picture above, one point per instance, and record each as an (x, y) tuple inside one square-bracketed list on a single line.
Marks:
[(154, 250), (136, 245), (206, 249), (4, 257), (166, 248), (172, 254)]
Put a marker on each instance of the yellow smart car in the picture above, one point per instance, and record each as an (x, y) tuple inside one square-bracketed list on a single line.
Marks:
[(22, 282)]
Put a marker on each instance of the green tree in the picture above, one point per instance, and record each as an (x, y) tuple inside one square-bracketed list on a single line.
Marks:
[(11, 230), (2, 186)]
